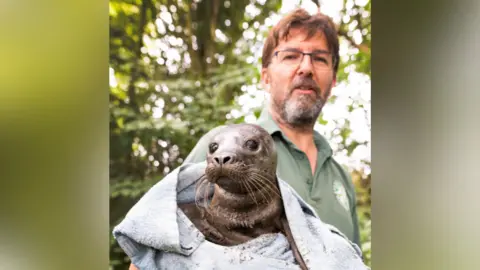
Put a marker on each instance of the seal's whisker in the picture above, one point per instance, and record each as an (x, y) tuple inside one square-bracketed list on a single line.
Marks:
[(200, 178), (258, 187), (249, 166), (248, 188), (261, 172), (245, 182), (265, 190), (206, 193), (267, 183), (262, 189), (200, 182), (201, 187), (268, 197)]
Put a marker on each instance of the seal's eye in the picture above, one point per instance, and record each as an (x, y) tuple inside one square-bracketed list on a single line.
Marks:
[(251, 145), (213, 147)]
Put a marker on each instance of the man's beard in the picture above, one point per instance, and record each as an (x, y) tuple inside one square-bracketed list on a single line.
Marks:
[(302, 111)]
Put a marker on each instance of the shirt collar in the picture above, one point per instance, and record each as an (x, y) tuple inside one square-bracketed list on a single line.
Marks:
[(266, 121)]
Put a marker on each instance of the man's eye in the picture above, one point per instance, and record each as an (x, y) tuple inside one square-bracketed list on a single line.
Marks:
[(320, 59), (290, 57)]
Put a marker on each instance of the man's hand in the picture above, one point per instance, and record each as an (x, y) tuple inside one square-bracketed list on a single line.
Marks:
[(132, 267)]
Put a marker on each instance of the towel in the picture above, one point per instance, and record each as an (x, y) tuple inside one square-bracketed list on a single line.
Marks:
[(156, 234)]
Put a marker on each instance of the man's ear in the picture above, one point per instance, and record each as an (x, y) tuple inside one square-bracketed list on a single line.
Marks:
[(334, 82), (265, 79)]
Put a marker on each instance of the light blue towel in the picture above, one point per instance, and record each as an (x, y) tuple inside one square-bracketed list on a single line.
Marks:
[(156, 234)]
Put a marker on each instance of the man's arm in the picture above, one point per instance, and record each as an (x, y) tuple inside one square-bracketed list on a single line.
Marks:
[(199, 152), (132, 267)]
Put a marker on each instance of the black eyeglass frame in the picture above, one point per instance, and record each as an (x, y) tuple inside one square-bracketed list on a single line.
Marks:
[(275, 54)]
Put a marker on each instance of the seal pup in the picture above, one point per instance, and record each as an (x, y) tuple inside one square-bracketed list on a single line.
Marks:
[(246, 200)]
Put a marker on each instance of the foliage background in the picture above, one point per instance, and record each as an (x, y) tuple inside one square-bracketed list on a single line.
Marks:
[(180, 68)]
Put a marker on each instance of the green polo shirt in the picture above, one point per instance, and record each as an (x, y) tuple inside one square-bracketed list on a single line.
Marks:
[(329, 190)]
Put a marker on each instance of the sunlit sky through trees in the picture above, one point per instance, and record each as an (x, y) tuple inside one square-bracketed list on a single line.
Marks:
[(354, 92)]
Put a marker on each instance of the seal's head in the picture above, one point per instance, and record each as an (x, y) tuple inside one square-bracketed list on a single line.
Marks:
[(241, 159), (238, 197)]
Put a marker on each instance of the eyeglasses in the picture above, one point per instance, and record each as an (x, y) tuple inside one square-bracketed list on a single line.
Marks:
[(321, 60)]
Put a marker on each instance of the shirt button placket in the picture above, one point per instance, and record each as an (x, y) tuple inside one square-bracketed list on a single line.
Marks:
[(302, 157)]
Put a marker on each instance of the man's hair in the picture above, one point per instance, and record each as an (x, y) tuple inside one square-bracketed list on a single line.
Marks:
[(301, 19)]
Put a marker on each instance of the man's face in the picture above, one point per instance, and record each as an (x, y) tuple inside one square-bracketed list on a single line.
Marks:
[(299, 91)]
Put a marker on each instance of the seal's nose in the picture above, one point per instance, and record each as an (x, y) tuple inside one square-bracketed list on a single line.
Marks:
[(224, 159)]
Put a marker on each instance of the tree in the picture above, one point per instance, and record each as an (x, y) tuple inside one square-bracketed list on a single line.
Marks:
[(180, 68)]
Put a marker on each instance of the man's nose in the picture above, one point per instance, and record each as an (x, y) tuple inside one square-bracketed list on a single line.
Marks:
[(305, 67)]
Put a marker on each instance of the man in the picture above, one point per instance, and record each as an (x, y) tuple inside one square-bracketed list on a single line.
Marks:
[(299, 65)]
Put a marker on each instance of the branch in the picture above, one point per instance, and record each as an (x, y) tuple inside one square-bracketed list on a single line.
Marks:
[(359, 21), (342, 32), (195, 64), (138, 55), (361, 47), (131, 168), (213, 26)]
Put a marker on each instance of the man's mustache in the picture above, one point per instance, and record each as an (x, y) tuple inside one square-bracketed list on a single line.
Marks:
[(305, 83)]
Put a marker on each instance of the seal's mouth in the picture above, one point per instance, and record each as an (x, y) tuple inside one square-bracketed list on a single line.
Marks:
[(228, 177), (216, 173)]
